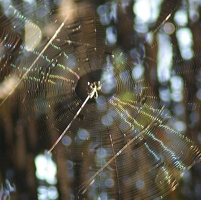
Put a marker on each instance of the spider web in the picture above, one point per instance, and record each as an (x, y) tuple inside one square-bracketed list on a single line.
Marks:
[(122, 144)]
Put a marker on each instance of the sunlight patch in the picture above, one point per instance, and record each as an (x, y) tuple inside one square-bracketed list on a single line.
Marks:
[(33, 35)]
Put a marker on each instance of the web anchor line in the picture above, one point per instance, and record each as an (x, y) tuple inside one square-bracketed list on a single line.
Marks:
[(94, 88), (91, 180), (37, 58)]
